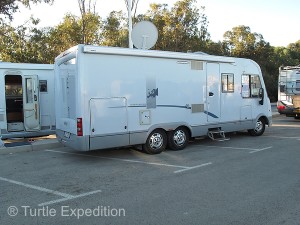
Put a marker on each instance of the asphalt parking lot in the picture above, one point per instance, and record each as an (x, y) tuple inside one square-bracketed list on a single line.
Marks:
[(246, 180)]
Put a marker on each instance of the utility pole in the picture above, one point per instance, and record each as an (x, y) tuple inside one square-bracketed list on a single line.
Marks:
[(129, 9)]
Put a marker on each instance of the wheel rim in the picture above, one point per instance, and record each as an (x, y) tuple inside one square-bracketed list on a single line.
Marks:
[(259, 126), (179, 137), (156, 141)]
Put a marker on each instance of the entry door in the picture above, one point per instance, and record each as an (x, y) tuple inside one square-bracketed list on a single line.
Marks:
[(31, 103), (213, 92)]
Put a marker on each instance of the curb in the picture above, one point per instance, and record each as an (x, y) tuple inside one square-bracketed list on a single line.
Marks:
[(49, 144)]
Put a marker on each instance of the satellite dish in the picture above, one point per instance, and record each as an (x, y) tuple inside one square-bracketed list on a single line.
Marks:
[(144, 35)]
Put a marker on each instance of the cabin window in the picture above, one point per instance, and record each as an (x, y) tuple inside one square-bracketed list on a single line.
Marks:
[(297, 85), (250, 86), (227, 82), (43, 86)]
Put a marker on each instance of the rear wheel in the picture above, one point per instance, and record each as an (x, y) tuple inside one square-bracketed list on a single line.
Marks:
[(178, 139), (156, 142), (259, 128)]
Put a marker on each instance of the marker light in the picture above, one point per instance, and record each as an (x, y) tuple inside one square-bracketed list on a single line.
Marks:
[(79, 127)]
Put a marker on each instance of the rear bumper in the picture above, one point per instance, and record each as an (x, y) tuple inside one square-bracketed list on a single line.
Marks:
[(288, 112), (74, 141)]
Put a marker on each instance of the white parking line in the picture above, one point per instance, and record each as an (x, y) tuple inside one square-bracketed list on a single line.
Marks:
[(193, 167), (66, 196), (182, 168), (259, 150), (36, 187)]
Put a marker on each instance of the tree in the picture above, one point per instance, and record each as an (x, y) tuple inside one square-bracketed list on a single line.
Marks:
[(87, 12), (294, 52), (25, 43), (241, 42), (182, 28), (115, 32), (69, 33)]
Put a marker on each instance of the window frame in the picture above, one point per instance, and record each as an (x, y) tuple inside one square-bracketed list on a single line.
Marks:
[(226, 76), (247, 88), (43, 82)]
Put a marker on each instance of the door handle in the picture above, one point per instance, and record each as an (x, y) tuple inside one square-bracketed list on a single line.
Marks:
[(210, 94)]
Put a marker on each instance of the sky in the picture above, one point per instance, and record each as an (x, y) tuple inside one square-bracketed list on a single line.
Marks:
[(277, 20)]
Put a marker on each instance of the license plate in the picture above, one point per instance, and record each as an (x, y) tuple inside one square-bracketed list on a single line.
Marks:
[(67, 134)]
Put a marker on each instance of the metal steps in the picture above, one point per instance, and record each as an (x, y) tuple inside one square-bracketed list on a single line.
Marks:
[(217, 134)]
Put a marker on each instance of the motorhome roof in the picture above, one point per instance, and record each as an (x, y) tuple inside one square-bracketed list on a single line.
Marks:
[(290, 67), (145, 53), (154, 54)]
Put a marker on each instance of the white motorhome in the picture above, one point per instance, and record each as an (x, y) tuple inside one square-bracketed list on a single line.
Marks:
[(110, 97), (26, 100), (289, 91)]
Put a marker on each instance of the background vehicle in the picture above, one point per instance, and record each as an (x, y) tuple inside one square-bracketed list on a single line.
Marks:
[(289, 91)]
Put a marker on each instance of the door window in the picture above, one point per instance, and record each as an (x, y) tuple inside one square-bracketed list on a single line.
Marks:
[(29, 90)]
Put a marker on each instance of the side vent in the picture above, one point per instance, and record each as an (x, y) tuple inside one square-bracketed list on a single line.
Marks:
[(197, 108), (196, 65)]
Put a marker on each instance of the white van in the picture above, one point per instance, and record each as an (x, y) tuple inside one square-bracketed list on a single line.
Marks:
[(26, 100), (109, 97)]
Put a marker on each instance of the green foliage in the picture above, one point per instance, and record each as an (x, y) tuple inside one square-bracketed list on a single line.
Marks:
[(23, 44), (182, 28), (115, 32)]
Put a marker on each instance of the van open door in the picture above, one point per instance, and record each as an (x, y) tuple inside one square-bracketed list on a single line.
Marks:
[(31, 103)]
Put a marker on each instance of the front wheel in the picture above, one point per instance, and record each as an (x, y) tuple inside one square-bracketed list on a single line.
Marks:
[(156, 142), (259, 128), (178, 139)]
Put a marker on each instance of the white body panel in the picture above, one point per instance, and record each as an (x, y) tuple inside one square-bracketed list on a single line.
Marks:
[(26, 100), (124, 94)]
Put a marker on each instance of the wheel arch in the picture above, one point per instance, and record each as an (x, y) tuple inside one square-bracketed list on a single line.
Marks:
[(268, 121)]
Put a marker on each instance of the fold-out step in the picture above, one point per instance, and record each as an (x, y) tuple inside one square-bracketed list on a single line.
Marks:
[(217, 135)]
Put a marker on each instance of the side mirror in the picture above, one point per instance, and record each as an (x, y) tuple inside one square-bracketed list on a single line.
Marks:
[(261, 95)]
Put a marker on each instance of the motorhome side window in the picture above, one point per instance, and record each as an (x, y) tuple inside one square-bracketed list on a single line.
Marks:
[(227, 82), (43, 86), (250, 86), (297, 85)]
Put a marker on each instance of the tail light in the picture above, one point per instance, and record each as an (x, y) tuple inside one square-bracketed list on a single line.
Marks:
[(79, 127), (281, 107)]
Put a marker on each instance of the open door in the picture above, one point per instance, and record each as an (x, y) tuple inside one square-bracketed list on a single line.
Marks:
[(31, 103)]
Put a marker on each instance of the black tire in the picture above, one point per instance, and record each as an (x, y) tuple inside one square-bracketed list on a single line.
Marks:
[(178, 139), (156, 142), (259, 129)]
